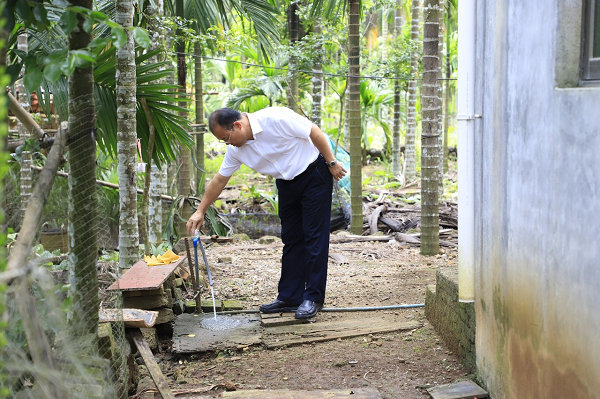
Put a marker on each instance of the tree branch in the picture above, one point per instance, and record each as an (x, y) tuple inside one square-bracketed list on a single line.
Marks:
[(25, 117)]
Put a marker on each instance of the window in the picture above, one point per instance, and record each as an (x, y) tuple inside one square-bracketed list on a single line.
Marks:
[(591, 42)]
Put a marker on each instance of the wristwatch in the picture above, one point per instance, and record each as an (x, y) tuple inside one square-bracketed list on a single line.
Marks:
[(330, 164)]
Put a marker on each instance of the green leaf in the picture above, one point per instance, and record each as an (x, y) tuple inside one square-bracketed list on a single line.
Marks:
[(88, 24), (53, 71), (140, 35), (68, 21), (40, 14), (82, 57), (33, 79), (23, 11), (119, 37), (99, 42)]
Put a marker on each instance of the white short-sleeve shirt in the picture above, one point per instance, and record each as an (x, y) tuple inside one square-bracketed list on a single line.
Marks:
[(281, 148)]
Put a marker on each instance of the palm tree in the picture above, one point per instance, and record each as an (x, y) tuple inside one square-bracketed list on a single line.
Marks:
[(410, 171), (127, 139), (441, 9), (430, 108), (199, 118), (317, 77), (373, 99), (82, 188), (354, 117), (396, 165), (294, 35)]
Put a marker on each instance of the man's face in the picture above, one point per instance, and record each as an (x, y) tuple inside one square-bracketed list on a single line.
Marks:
[(233, 136)]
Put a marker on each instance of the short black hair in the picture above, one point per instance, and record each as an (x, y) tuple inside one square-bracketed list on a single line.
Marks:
[(223, 117)]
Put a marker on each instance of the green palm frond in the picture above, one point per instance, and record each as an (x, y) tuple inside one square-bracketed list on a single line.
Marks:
[(162, 100), (236, 98)]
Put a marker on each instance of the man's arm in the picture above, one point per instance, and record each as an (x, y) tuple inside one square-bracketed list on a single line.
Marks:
[(321, 142), (213, 190)]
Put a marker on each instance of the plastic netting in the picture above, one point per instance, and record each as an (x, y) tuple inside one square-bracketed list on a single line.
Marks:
[(46, 354)]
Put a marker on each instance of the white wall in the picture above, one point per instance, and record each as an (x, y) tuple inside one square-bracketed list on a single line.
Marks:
[(537, 190)]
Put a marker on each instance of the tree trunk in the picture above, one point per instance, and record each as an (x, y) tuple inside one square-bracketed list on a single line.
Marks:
[(430, 108), (447, 98), (440, 97), (354, 119), (384, 35), (83, 201), (25, 174), (396, 156), (293, 30), (185, 162), (410, 170), (199, 119), (158, 187), (317, 78), (127, 140)]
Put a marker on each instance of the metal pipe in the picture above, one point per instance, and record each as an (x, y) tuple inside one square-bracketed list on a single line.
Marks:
[(353, 309), (466, 149), (195, 241), (210, 281)]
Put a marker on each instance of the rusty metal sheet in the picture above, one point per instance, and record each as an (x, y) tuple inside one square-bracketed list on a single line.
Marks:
[(144, 277)]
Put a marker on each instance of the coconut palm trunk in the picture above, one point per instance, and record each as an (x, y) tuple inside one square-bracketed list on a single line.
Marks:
[(199, 119), (185, 161), (354, 118), (430, 108), (447, 99), (396, 153), (440, 97), (317, 78), (294, 32), (83, 201), (410, 170), (25, 172), (127, 140)]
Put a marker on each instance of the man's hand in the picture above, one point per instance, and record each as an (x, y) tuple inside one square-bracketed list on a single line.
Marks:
[(337, 171), (194, 222)]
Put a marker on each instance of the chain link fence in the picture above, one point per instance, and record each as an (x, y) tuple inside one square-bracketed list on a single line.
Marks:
[(44, 351)]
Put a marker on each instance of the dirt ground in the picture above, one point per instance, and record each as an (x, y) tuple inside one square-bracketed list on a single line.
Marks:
[(399, 364)]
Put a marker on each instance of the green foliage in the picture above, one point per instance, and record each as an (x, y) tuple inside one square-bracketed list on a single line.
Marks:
[(53, 26)]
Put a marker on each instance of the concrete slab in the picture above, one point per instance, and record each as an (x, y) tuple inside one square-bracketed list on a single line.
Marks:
[(189, 336), (458, 390)]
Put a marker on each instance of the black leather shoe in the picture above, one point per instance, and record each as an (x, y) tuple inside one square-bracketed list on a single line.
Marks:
[(308, 309), (277, 306)]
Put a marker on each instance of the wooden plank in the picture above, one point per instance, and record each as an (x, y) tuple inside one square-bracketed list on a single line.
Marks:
[(337, 239), (459, 390), (143, 277), (159, 291), (150, 361), (149, 302), (297, 334), (131, 317), (353, 393), (282, 319)]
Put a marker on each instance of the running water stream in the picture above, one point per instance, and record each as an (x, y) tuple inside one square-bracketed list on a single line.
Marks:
[(215, 324)]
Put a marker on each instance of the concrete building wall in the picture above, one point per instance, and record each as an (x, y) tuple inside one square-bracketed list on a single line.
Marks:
[(537, 190)]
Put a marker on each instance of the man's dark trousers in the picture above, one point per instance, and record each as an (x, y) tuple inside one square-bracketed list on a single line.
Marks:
[(305, 213)]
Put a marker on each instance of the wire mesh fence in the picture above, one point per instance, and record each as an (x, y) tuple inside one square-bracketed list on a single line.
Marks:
[(48, 348)]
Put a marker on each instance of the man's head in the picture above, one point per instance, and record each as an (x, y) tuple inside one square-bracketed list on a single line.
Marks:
[(223, 117), (224, 124)]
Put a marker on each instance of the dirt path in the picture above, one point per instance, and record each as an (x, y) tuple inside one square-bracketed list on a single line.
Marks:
[(399, 365)]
